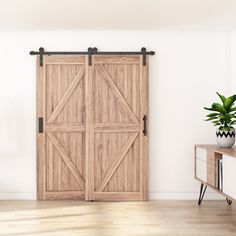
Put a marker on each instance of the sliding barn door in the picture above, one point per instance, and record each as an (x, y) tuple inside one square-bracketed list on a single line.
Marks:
[(120, 145), (61, 117), (92, 139)]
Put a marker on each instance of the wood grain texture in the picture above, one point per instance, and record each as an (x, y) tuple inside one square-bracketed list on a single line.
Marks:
[(153, 218), (67, 160), (105, 59), (118, 119), (227, 151), (70, 195), (93, 145), (61, 169), (116, 91), (65, 128), (89, 145), (116, 127), (67, 95), (40, 112), (116, 162), (144, 162), (64, 60)]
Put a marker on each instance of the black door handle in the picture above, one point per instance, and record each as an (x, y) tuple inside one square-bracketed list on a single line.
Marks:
[(40, 124), (145, 125)]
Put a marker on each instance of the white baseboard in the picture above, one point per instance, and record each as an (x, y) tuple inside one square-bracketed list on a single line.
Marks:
[(18, 196), (184, 196), (153, 196)]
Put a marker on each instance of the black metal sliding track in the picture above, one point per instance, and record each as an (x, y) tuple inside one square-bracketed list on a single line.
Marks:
[(91, 51)]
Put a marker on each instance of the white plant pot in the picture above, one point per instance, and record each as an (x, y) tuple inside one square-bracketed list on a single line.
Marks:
[(225, 139)]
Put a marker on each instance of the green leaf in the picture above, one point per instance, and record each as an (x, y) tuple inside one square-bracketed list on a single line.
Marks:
[(228, 103), (223, 98), (218, 107), (223, 117), (217, 124), (226, 128), (215, 121), (209, 109), (232, 109), (211, 118), (222, 121), (213, 114)]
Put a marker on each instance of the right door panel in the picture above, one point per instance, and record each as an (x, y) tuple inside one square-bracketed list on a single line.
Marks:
[(119, 143)]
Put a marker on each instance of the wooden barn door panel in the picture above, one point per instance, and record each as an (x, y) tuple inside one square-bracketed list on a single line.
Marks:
[(118, 128), (62, 169), (92, 146)]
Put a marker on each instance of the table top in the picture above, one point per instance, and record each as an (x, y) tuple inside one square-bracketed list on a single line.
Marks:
[(226, 151)]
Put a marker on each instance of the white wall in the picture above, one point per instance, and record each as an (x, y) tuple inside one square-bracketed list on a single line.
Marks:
[(185, 73), (232, 42)]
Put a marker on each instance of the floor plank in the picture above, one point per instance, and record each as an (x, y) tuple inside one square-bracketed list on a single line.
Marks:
[(166, 218)]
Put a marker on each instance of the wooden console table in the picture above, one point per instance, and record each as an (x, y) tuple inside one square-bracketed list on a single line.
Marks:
[(207, 159)]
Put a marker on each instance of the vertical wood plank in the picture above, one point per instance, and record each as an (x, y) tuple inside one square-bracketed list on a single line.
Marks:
[(49, 166), (144, 163), (135, 107), (89, 127), (58, 93), (112, 109), (40, 137)]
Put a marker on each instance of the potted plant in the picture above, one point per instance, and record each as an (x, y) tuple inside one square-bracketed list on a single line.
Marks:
[(224, 117)]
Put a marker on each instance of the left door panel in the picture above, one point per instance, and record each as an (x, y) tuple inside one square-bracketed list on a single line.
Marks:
[(61, 142)]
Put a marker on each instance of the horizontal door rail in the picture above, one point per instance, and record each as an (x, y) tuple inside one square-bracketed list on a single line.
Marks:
[(94, 52), (90, 52)]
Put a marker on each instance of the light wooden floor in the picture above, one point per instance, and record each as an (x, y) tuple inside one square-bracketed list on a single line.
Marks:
[(70, 218)]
